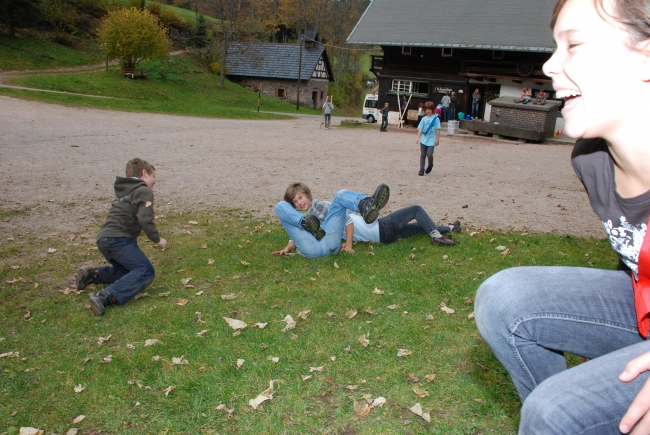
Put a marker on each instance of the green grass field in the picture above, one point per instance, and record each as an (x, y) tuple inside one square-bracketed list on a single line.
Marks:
[(227, 253), (177, 86), (30, 53)]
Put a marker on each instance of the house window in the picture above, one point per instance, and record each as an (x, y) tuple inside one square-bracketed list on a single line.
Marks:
[(420, 88), (401, 86), (406, 49), (497, 54), (447, 51), (279, 92)]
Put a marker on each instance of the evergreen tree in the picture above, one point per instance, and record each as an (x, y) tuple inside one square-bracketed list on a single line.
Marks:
[(19, 13)]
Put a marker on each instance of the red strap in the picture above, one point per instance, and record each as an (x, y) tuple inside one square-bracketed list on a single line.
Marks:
[(642, 287)]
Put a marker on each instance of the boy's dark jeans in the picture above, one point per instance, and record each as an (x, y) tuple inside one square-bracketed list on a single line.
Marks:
[(395, 225), (131, 270), (384, 122)]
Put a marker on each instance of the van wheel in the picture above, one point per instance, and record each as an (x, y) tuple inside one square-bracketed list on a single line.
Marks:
[(371, 119)]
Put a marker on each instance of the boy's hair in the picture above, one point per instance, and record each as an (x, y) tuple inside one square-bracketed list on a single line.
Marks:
[(429, 105), (634, 15), (293, 190), (134, 168)]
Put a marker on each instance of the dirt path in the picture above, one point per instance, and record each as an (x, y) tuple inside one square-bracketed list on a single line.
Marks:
[(60, 162)]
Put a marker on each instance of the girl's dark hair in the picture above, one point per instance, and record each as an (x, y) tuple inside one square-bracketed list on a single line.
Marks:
[(634, 15)]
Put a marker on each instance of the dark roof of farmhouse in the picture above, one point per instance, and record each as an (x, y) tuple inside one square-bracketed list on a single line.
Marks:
[(278, 61), (512, 25)]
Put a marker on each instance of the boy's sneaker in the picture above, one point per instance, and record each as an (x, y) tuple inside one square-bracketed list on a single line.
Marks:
[(84, 277), (369, 207), (99, 301), (456, 227), (429, 168), (443, 241), (312, 225), (421, 173)]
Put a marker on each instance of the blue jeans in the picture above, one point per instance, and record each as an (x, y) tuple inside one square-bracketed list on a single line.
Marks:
[(529, 316), (328, 118), (445, 113), (524, 100), (396, 226), (131, 270), (426, 152), (384, 123), (475, 107), (333, 224)]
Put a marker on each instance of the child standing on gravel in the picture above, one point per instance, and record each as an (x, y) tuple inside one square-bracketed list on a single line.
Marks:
[(131, 212), (315, 227), (428, 136)]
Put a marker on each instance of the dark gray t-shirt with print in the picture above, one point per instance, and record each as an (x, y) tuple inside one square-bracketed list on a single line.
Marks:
[(625, 219)]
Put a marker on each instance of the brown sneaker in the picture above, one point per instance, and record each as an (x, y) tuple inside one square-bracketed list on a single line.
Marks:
[(443, 241)]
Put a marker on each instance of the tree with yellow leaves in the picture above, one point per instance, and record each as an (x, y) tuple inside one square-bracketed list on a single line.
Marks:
[(133, 35)]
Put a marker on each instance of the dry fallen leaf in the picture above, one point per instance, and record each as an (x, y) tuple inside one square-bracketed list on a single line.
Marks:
[(210, 260), (223, 407), (72, 431), (378, 292), (228, 297), (181, 302), (420, 392), (51, 250), (351, 387), (371, 312), (303, 314), (330, 314), (392, 307), (332, 358), (350, 313), (506, 252), (78, 418), (79, 388), (446, 309), (430, 377), (186, 281), (169, 390), (336, 265), (290, 323), (164, 295), (235, 324), (261, 325), (107, 359), (500, 248), (156, 358), (179, 360), (151, 342), (361, 409), (101, 340), (316, 369), (240, 362), (30, 431), (199, 293), (262, 397), (275, 359), (471, 315), (130, 346), (417, 410), (305, 377), (404, 352), (347, 349), (364, 341), (245, 263), (378, 402), (200, 334), (413, 378)]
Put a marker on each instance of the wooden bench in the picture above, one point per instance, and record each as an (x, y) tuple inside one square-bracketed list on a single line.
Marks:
[(134, 73), (503, 130)]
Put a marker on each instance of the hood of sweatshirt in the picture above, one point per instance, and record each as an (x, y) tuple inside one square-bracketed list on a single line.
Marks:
[(125, 185)]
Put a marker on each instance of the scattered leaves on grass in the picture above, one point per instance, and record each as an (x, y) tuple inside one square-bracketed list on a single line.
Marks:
[(169, 390), (211, 261), (446, 309), (392, 307), (223, 407), (51, 250), (261, 325), (27, 315), (332, 358), (413, 378), (30, 431), (79, 388), (163, 295), (235, 324), (240, 362), (245, 263), (151, 342), (430, 377), (361, 409), (347, 349), (181, 302), (185, 281), (72, 431), (156, 358), (199, 293), (351, 387), (290, 323), (262, 397), (364, 341), (330, 314), (371, 312), (350, 313), (66, 291), (275, 359), (471, 315), (404, 352), (378, 292), (107, 359), (228, 297), (506, 252), (417, 410), (336, 265), (500, 248), (305, 378), (199, 319), (303, 314), (316, 369), (200, 334), (78, 418)]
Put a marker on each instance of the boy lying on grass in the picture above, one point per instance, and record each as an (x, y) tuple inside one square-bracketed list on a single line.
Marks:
[(315, 227), (397, 225), (131, 212)]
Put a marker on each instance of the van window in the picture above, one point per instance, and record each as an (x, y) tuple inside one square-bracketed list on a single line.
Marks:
[(371, 103)]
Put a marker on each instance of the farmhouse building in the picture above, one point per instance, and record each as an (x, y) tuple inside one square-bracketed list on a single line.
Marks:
[(275, 67), (435, 46)]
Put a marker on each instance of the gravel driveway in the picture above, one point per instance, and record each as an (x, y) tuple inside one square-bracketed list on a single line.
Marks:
[(59, 163)]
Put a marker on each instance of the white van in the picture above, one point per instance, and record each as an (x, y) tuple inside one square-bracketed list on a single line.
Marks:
[(370, 111)]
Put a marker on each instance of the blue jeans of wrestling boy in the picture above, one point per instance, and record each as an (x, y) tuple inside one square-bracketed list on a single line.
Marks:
[(306, 244), (131, 270)]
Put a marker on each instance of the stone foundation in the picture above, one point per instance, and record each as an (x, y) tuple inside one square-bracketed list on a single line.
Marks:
[(288, 89)]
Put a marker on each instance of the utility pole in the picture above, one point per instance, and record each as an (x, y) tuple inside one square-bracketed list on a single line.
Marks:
[(300, 40)]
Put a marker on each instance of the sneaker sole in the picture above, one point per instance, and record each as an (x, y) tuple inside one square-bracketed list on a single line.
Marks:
[(78, 280), (447, 242), (313, 228), (95, 304), (380, 197)]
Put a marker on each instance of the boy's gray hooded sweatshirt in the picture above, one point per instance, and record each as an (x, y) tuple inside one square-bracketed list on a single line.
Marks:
[(131, 211)]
